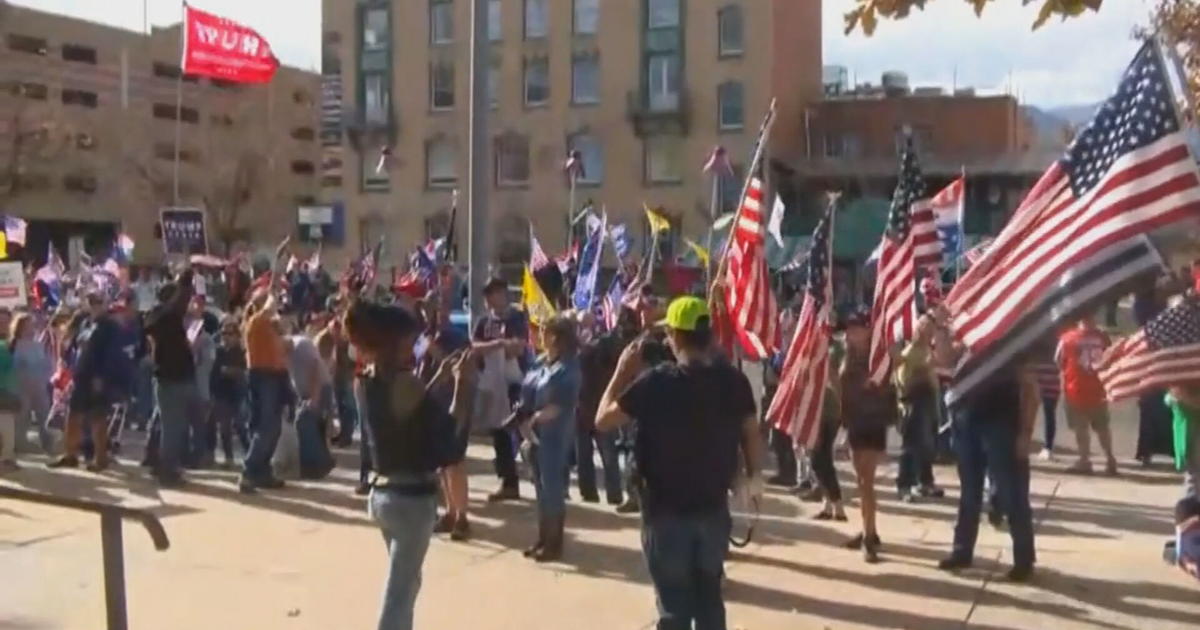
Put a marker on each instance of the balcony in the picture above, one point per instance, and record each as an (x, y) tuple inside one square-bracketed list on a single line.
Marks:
[(659, 115)]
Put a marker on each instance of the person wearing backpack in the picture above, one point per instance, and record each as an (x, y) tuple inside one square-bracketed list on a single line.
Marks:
[(412, 437)]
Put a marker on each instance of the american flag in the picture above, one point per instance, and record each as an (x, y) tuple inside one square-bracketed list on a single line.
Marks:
[(610, 306), (537, 256), (910, 241), (1166, 351), (975, 254), (752, 308), (718, 162), (1080, 236), (796, 407)]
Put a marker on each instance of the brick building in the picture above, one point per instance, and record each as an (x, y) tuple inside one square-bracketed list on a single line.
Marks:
[(87, 139)]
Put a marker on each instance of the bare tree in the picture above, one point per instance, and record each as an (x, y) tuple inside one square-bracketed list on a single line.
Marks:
[(29, 140)]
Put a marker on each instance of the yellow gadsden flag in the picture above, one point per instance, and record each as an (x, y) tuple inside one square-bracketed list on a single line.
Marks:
[(537, 306), (700, 252), (658, 223)]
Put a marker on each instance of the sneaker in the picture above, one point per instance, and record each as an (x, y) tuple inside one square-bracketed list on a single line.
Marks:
[(907, 496), (461, 530), (590, 497), (931, 492), (362, 489), (66, 461), (1020, 573), (1046, 455), (630, 506), (246, 486), (506, 493), (954, 563)]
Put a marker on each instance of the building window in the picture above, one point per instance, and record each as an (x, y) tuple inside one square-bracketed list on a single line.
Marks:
[(441, 164), (663, 81), (168, 71), (585, 80), (592, 154), (441, 21), (493, 85), (512, 160), (30, 182), (304, 134), (81, 54), (79, 97), (80, 183), (441, 85), (536, 19), (586, 19), (303, 167), (26, 44), (495, 24), (376, 30), (537, 82), (731, 111), (377, 99), (662, 13), (373, 180), (35, 91), (167, 112), (729, 31), (663, 160), (842, 145)]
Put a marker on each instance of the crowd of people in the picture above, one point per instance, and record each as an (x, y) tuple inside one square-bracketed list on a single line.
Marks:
[(288, 374)]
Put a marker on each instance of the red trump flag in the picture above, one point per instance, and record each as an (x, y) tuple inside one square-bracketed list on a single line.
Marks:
[(223, 49)]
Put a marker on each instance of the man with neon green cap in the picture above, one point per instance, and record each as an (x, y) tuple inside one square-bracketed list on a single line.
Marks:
[(696, 423)]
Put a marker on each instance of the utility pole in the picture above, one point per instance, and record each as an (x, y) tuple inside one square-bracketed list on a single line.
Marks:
[(477, 169)]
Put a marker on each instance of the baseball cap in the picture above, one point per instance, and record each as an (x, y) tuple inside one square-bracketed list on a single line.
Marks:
[(685, 313)]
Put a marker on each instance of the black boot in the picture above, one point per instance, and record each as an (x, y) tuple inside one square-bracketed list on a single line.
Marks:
[(552, 550)]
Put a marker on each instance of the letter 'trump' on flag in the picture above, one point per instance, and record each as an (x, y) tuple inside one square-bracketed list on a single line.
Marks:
[(796, 407), (1080, 235), (220, 48)]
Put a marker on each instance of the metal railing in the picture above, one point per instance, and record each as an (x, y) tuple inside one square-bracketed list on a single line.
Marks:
[(111, 542)]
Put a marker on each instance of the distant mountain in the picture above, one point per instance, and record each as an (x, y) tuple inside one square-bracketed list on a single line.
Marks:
[(1075, 114)]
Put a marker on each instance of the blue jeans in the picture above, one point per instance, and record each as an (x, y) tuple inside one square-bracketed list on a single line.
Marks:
[(986, 442), (584, 451), (175, 400), (552, 456), (916, 455), (407, 525), (364, 440), (686, 558), (268, 391), (347, 410), (315, 459)]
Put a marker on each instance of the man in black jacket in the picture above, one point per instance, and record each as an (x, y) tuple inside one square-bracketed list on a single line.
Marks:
[(174, 374)]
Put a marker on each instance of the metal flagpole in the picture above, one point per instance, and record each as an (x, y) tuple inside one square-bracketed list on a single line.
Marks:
[(712, 219), (763, 132), (179, 98), (477, 171)]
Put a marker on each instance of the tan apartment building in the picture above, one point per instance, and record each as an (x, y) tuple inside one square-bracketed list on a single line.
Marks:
[(643, 89), (87, 140)]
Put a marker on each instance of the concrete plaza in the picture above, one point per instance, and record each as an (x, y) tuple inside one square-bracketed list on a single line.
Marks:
[(308, 558)]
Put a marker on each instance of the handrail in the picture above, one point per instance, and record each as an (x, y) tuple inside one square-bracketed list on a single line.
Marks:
[(111, 541), (147, 519)]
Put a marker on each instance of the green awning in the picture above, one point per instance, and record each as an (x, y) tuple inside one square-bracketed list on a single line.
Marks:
[(858, 226)]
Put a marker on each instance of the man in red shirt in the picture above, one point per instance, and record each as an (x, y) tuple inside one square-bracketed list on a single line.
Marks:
[(1079, 349)]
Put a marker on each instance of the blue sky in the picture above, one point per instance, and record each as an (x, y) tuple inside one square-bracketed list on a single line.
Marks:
[(1062, 64)]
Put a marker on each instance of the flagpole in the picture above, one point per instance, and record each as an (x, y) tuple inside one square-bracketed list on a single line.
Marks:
[(179, 98), (573, 176), (712, 219), (765, 133), (477, 170), (962, 227)]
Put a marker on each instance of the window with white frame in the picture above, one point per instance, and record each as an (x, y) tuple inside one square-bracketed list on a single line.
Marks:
[(441, 85), (495, 24), (586, 19), (441, 21), (662, 13), (663, 160), (377, 98), (662, 79), (591, 152), (729, 31), (376, 32), (441, 164), (730, 106), (536, 19), (537, 82), (585, 79)]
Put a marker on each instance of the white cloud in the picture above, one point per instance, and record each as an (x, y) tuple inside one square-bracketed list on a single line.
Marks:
[(1076, 61), (293, 27)]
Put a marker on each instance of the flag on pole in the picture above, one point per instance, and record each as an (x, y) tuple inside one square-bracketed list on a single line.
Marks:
[(775, 225), (1080, 235), (610, 307), (1165, 352), (751, 303), (718, 162), (573, 167), (701, 253), (14, 230), (589, 267), (537, 256), (223, 49), (658, 223), (975, 254), (910, 240), (537, 306), (314, 262), (621, 240), (947, 207), (385, 159), (125, 245), (796, 407)]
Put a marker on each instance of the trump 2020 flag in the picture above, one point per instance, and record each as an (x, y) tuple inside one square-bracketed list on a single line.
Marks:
[(589, 266), (14, 230), (223, 49)]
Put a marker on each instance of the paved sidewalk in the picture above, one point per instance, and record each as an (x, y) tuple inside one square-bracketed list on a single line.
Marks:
[(307, 558)]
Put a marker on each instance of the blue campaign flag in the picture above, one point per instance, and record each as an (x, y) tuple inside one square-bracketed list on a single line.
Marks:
[(589, 267), (622, 242)]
